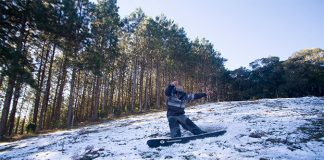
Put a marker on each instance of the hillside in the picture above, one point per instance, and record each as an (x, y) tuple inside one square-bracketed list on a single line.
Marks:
[(262, 129)]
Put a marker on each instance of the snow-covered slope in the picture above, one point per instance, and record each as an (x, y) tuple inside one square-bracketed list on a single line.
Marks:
[(263, 129)]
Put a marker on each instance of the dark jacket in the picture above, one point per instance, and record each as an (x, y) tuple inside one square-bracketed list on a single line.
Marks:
[(177, 100)]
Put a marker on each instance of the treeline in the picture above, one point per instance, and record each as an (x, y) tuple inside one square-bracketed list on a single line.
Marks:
[(301, 75), (64, 62)]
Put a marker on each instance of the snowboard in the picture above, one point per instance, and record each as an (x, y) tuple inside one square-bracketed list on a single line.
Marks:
[(153, 143)]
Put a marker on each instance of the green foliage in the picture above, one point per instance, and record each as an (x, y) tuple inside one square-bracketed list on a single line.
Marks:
[(103, 49), (17, 21), (300, 75)]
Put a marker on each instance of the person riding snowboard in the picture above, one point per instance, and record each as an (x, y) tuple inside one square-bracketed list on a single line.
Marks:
[(176, 102)]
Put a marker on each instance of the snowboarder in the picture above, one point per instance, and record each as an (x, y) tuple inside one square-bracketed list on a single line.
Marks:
[(176, 103)]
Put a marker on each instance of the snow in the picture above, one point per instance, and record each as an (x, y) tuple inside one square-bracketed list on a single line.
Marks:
[(263, 129)]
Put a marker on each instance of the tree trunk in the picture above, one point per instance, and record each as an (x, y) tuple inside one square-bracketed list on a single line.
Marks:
[(83, 99), (57, 113), (89, 103), (23, 126), (129, 88), (14, 108), (71, 100), (1, 80), (146, 98), (141, 88), (47, 92), (39, 86), (52, 116), (112, 91), (6, 106), (121, 90), (150, 91), (20, 112), (158, 86), (106, 94), (96, 98), (134, 86), (125, 93), (120, 81), (75, 117), (24, 121)]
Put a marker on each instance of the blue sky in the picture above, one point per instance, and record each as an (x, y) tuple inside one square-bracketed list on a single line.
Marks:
[(243, 30)]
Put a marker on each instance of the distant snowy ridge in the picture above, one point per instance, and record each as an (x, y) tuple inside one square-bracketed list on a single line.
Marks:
[(289, 128)]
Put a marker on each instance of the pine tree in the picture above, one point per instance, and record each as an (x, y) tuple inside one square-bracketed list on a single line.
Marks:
[(17, 23)]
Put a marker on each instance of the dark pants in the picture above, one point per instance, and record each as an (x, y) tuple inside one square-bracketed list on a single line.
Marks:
[(185, 122)]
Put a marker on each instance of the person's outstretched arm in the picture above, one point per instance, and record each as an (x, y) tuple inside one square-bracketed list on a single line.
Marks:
[(199, 95), (196, 96)]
